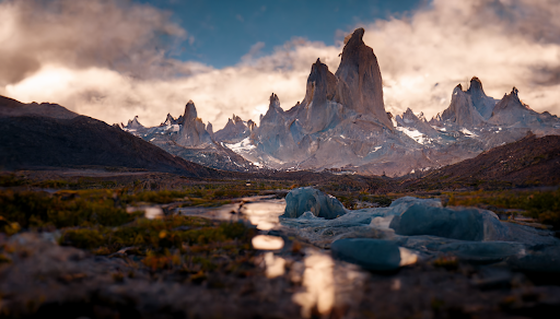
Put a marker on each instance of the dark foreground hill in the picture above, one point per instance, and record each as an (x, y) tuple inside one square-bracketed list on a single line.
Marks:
[(42, 142), (11, 107), (531, 161)]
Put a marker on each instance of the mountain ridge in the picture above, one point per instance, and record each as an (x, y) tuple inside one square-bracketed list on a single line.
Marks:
[(342, 124)]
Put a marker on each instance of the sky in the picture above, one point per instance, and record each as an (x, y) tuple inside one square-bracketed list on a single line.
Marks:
[(114, 59)]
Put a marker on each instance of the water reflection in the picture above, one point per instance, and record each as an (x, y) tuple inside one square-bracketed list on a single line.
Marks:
[(408, 257), (275, 266), (261, 211), (318, 281), (266, 242), (150, 212), (264, 213)]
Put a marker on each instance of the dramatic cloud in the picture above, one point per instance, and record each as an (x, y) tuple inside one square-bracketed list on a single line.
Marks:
[(118, 66), (505, 43), (122, 64)]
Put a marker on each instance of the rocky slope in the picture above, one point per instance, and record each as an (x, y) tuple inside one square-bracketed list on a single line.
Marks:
[(42, 142), (531, 161), (189, 138), (11, 107)]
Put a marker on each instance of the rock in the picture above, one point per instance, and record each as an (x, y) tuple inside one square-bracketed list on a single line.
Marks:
[(360, 84), (483, 252), (400, 205), (371, 254), (321, 88), (193, 131), (465, 224), (461, 111), (235, 130), (543, 260), (134, 124), (510, 110), (303, 199), (483, 103)]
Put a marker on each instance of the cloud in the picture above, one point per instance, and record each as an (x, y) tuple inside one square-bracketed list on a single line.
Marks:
[(119, 66), (122, 65), (504, 43), (130, 38)]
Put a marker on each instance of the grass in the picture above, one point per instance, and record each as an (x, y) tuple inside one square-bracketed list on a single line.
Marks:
[(96, 220), (541, 205), (32, 209)]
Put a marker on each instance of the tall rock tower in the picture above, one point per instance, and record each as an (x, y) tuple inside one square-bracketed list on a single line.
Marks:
[(360, 84)]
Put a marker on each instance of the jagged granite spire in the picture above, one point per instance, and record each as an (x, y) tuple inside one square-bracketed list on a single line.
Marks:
[(511, 110), (169, 120), (190, 112), (275, 112), (360, 84), (461, 110), (321, 88), (321, 84), (483, 103), (193, 132), (134, 124)]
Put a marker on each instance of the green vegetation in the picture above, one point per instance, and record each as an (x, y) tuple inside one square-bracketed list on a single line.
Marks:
[(97, 220), (31, 209), (168, 243), (541, 205)]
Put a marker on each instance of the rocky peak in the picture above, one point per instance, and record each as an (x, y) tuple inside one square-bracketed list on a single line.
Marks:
[(321, 84), (274, 102), (193, 132), (481, 102), (461, 110), (236, 119), (190, 112), (251, 125), (510, 103), (475, 86), (458, 89), (360, 83), (169, 120), (235, 130), (275, 112), (134, 124), (408, 117)]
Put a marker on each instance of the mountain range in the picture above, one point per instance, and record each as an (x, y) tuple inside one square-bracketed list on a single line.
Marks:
[(47, 136), (341, 125)]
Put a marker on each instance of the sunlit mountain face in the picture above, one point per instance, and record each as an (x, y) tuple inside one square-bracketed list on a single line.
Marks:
[(342, 125), (281, 159), (148, 58)]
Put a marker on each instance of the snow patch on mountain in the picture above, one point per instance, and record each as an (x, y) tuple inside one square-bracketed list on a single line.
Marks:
[(414, 134), (242, 147)]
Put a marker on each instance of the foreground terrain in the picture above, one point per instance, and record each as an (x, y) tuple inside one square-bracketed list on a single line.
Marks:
[(100, 244)]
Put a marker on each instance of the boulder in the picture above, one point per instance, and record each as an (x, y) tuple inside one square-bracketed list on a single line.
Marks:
[(308, 199), (370, 254), (483, 252), (464, 224)]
